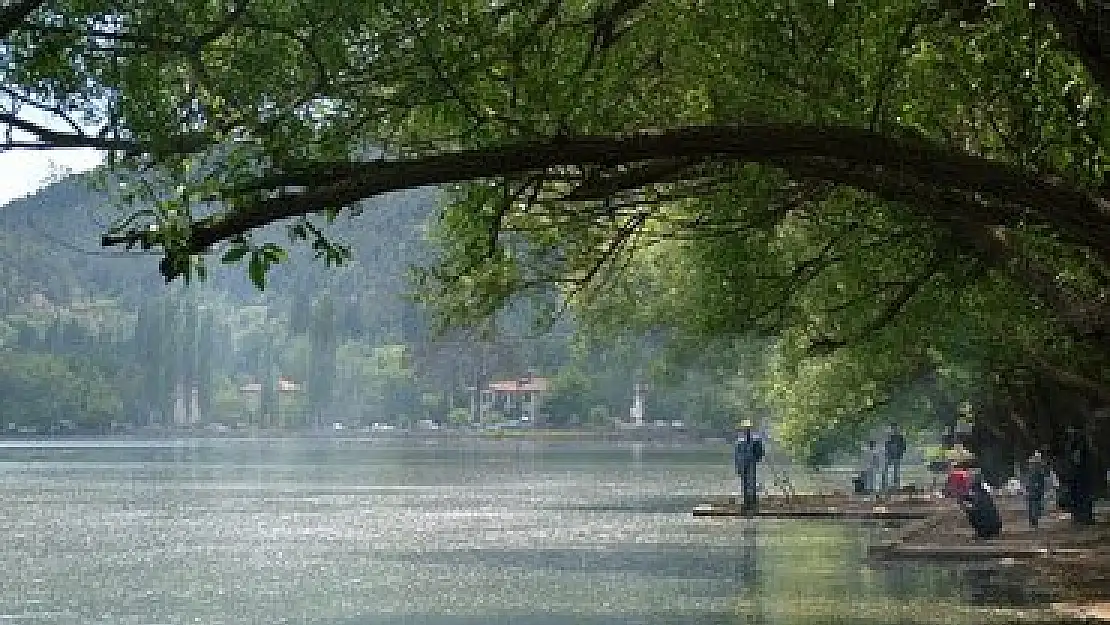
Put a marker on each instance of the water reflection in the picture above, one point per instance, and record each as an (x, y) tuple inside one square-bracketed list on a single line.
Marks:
[(751, 572), (1002, 586), (280, 531)]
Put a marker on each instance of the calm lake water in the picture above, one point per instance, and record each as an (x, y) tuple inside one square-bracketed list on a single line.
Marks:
[(350, 532)]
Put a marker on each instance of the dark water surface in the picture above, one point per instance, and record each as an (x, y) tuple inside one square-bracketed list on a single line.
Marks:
[(451, 533)]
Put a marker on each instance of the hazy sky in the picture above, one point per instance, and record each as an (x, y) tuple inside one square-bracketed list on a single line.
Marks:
[(22, 172)]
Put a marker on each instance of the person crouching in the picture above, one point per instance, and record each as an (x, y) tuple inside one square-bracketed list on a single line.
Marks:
[(981, 511)]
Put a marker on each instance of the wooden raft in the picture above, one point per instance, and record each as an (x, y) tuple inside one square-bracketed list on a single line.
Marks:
[(826, 507), (987, 550), (946, 536)]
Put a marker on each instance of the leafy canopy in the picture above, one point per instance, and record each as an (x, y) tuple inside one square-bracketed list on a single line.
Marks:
[(893, 186)]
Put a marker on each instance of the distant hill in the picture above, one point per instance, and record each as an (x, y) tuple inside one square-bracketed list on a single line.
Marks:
[(50, 244), (92, 336)]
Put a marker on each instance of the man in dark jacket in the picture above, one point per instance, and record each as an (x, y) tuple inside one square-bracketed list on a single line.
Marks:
[(748, 454), (894, 449), (1080, 479)]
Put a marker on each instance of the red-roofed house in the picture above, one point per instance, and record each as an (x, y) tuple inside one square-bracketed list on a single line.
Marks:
[(515, 399)]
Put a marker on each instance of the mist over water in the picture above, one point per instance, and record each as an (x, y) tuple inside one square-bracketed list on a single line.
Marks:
[(349, 531)]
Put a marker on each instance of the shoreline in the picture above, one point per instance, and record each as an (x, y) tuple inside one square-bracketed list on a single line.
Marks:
[(351, 435), (1071, 562)]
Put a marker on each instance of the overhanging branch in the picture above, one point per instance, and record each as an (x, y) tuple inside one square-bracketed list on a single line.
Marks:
[(913, 171), (48, 139)]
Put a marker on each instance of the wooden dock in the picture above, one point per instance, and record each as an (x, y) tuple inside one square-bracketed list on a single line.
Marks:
[(946, 536), (987, 550), (877, 513), (836, 506)]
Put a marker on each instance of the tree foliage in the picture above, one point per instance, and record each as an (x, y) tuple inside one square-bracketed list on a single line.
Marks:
[(46, 389), (894, 187)]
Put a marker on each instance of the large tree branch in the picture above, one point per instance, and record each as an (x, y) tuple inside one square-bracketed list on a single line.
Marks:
[(53, 139), (935, 181), (47, 139)]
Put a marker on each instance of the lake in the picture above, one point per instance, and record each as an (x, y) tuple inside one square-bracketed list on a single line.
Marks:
[(433, 533)]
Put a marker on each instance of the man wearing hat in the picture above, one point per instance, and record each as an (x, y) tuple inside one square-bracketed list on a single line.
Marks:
[(748, 453)]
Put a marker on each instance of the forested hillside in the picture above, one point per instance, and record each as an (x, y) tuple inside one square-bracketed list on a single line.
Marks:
[(92, 336)]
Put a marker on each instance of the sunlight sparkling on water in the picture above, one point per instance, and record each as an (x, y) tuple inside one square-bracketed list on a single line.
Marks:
[(368, 535)]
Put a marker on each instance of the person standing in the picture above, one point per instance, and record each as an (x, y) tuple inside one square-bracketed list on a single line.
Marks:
[(872, 463), (748, 454), (1079, 466), (895, 449), (1036, 482)]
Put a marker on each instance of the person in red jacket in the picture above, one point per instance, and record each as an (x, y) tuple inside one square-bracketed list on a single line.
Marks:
[(960, 473), (959, 481)]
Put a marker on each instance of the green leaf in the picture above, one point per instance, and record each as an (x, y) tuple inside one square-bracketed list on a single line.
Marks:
[(274, 253), (257, 271), (235, 254)]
